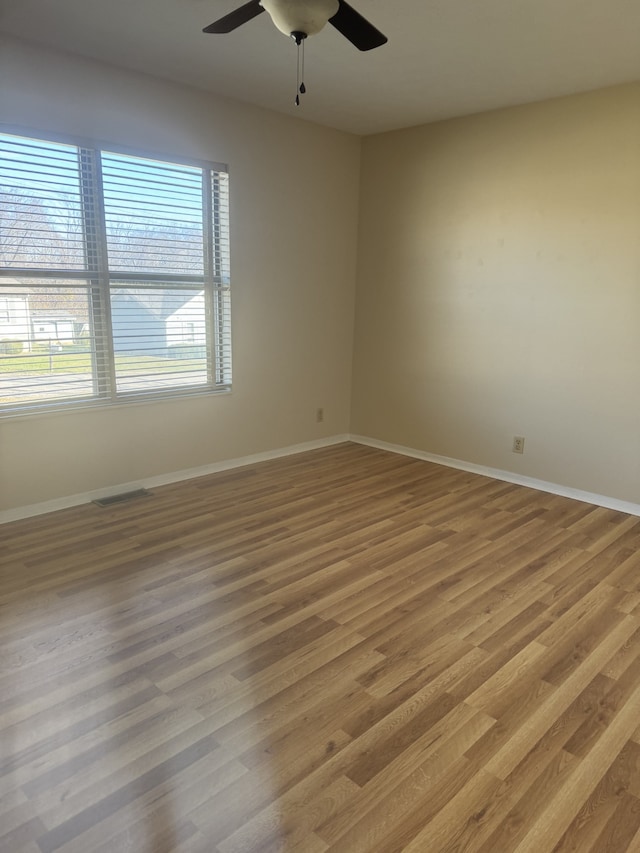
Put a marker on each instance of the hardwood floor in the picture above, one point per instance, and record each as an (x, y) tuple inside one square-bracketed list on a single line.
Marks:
[(344, 650)]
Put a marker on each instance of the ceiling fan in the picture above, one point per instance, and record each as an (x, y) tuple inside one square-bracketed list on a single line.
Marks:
[(302, 18)]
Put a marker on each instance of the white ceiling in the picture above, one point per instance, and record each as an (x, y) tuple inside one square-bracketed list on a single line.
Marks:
[(444, 58)]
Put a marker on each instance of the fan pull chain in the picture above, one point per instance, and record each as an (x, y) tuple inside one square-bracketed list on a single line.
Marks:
[(299, 39), (298, 77)]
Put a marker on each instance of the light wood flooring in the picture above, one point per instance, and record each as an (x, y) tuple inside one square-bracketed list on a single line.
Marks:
[(343, 650)]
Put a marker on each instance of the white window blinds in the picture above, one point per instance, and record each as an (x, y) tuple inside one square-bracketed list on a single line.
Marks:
[(114, 276)]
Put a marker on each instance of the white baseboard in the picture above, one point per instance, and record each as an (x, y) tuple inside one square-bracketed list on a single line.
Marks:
[(507, 476), (19, 513), (164, 479)]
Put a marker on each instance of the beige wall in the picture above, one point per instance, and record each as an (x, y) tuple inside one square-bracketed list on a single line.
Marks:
[(294, 201), (499, 290)]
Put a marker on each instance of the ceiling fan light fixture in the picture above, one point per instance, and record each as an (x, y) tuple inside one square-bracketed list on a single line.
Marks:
[(301, 18), (294, 16)]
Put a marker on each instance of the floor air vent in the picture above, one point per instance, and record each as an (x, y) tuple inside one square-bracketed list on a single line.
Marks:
[(110, 500)]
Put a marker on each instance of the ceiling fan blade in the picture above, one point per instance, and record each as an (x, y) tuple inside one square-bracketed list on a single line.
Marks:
[(356, 28), (236, 18)]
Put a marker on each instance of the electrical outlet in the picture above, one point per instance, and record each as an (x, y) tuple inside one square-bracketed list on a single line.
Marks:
[(518, 444), (319, 416)]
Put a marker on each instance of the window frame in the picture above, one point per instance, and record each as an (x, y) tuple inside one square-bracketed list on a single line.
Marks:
[(101, 280)]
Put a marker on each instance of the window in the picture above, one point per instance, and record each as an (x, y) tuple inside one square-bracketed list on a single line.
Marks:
[(114, 276)]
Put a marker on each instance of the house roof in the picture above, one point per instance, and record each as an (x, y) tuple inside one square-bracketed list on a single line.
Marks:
[(169, 302)]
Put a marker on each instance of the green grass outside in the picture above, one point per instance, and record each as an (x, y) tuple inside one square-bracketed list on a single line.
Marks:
[(38, 363)]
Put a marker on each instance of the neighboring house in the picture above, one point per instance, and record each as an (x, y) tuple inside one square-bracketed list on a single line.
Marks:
[(15, 326), (158, 323), (25, 320), (145, 322), (61, 330), (186, 327)]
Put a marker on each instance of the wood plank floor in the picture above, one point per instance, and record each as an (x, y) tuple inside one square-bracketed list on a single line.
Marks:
[(344, 650)]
